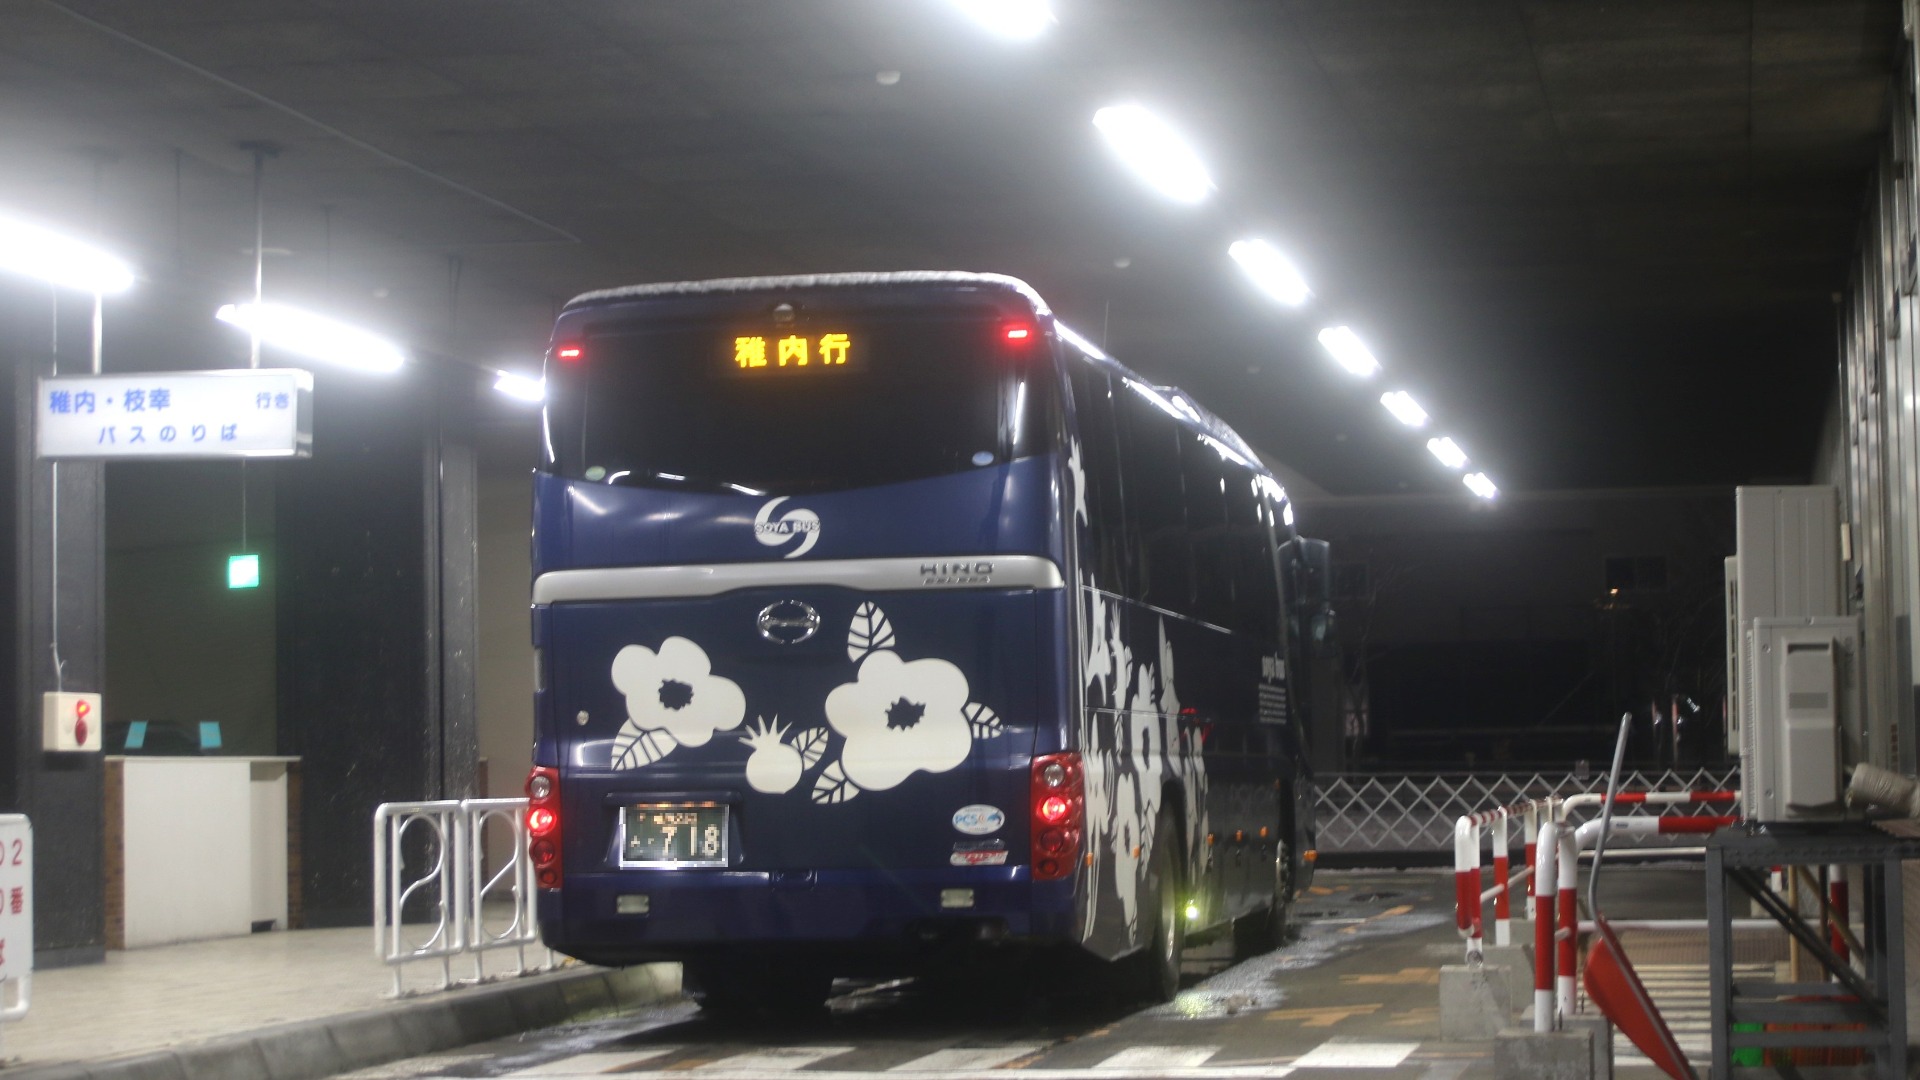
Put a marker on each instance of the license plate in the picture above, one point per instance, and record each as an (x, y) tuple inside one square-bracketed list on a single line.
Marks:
[(674, 834)]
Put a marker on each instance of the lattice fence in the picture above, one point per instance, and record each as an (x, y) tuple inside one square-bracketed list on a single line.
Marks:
[(1415, 812)]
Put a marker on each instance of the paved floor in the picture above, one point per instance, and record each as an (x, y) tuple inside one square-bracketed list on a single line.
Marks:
[(148, 999), (1357, 989)]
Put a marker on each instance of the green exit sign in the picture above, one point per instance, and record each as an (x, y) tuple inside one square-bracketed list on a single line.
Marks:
[(243, 571)]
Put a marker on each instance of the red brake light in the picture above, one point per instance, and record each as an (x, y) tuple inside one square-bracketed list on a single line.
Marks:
[(1058, 810), (543, 825), (1017, 332), (568, 352)]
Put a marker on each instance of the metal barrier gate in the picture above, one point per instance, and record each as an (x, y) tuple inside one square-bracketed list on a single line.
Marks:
[(451, 905), (1414, 813)]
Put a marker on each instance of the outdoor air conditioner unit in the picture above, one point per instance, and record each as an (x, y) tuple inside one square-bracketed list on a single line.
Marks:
[(1804, 683), (1794, 671)]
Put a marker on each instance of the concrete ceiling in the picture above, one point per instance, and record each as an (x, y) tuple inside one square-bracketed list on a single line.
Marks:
[(1599, 240)]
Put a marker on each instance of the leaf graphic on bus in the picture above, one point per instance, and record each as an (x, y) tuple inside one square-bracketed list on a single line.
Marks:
[(982, 721), (833, 786), (871, 632), (636, 746), (811, 745)]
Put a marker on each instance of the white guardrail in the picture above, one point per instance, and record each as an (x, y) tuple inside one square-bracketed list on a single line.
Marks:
[(449, 904)]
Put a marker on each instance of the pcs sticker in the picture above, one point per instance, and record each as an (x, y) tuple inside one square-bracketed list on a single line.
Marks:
[(979, 820)]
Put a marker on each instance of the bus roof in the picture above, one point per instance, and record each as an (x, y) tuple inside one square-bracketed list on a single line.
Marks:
[(1197, 416), (812, 281)]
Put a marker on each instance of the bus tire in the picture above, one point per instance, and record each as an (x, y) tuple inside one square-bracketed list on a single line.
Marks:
[(1263, 931), (1167, 931)]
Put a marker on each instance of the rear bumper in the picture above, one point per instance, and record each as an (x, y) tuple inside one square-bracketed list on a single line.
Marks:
[(689, 912)]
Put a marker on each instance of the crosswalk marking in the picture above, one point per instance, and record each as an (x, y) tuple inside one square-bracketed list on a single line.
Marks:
[(1354, 1054), (962, 1057), (599, 1061), (1159, 1057), (971, 1063), (774, 1059), (1684, 995), (1095, 1073)]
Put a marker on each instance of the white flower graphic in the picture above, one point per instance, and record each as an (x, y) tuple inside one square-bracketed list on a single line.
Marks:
[(898, 718), (672, 691)]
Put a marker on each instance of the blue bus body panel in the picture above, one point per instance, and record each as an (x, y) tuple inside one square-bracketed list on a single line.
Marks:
[(845, 760), (1001, 510)]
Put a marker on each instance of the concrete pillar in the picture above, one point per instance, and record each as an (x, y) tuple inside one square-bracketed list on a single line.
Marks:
[(376, 616), (60, 792)]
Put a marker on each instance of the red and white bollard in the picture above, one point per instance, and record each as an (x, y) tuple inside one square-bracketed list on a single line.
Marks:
[(1545, 884), (1502, 870), (1466, 885), (1566, 930)]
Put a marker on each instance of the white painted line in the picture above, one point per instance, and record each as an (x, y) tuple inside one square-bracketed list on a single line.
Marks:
[(1341, 1054), (1159, 1057), (1204, 1072), (599, 1061), (774, 1059), (956, 1058)]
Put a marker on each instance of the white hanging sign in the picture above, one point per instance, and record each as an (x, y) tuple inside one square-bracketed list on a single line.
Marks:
[(235, 413)]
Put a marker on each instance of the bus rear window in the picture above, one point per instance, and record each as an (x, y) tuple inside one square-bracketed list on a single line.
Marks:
[(725, 405)]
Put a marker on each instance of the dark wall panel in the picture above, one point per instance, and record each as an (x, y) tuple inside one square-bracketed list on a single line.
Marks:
[(354, 664), (61, 793)]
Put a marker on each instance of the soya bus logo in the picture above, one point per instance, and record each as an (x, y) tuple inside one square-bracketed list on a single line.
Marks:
[(804, 524)]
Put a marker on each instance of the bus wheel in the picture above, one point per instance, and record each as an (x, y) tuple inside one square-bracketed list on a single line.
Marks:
[(1264, 930), (1168, 933)]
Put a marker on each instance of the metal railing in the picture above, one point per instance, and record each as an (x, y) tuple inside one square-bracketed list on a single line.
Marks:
[(450, 905), (1407, 813)]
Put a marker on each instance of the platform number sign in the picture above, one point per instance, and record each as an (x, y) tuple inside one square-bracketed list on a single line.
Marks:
[(16, 896)]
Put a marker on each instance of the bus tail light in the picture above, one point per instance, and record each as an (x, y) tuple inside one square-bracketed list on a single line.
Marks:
[(1018, 333), (569, 351), (543, 825), (1059, 810)]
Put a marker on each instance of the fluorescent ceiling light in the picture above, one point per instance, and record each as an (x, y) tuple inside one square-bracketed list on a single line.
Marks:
[(1276, 276), (1155, 152), (314, 337), (1404, 408), (1448, 452), (1345, 346), (1478, 483), (1017, 20), (39, 253), (521, 387)]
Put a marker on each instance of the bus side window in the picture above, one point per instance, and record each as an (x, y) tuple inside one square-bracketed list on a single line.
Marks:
[(1256, 590), (1205, 472), (1100, 471), (1161, 571)]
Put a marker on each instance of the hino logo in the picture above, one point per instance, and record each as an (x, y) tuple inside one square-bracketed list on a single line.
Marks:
[(956, 573), (788, 622), (804, 524)]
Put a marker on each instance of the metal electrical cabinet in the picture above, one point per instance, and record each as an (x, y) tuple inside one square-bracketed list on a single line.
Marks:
[(1793, 658), (1804, 692)]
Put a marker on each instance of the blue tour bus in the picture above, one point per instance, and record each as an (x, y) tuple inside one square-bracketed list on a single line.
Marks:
[(882, 620)]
